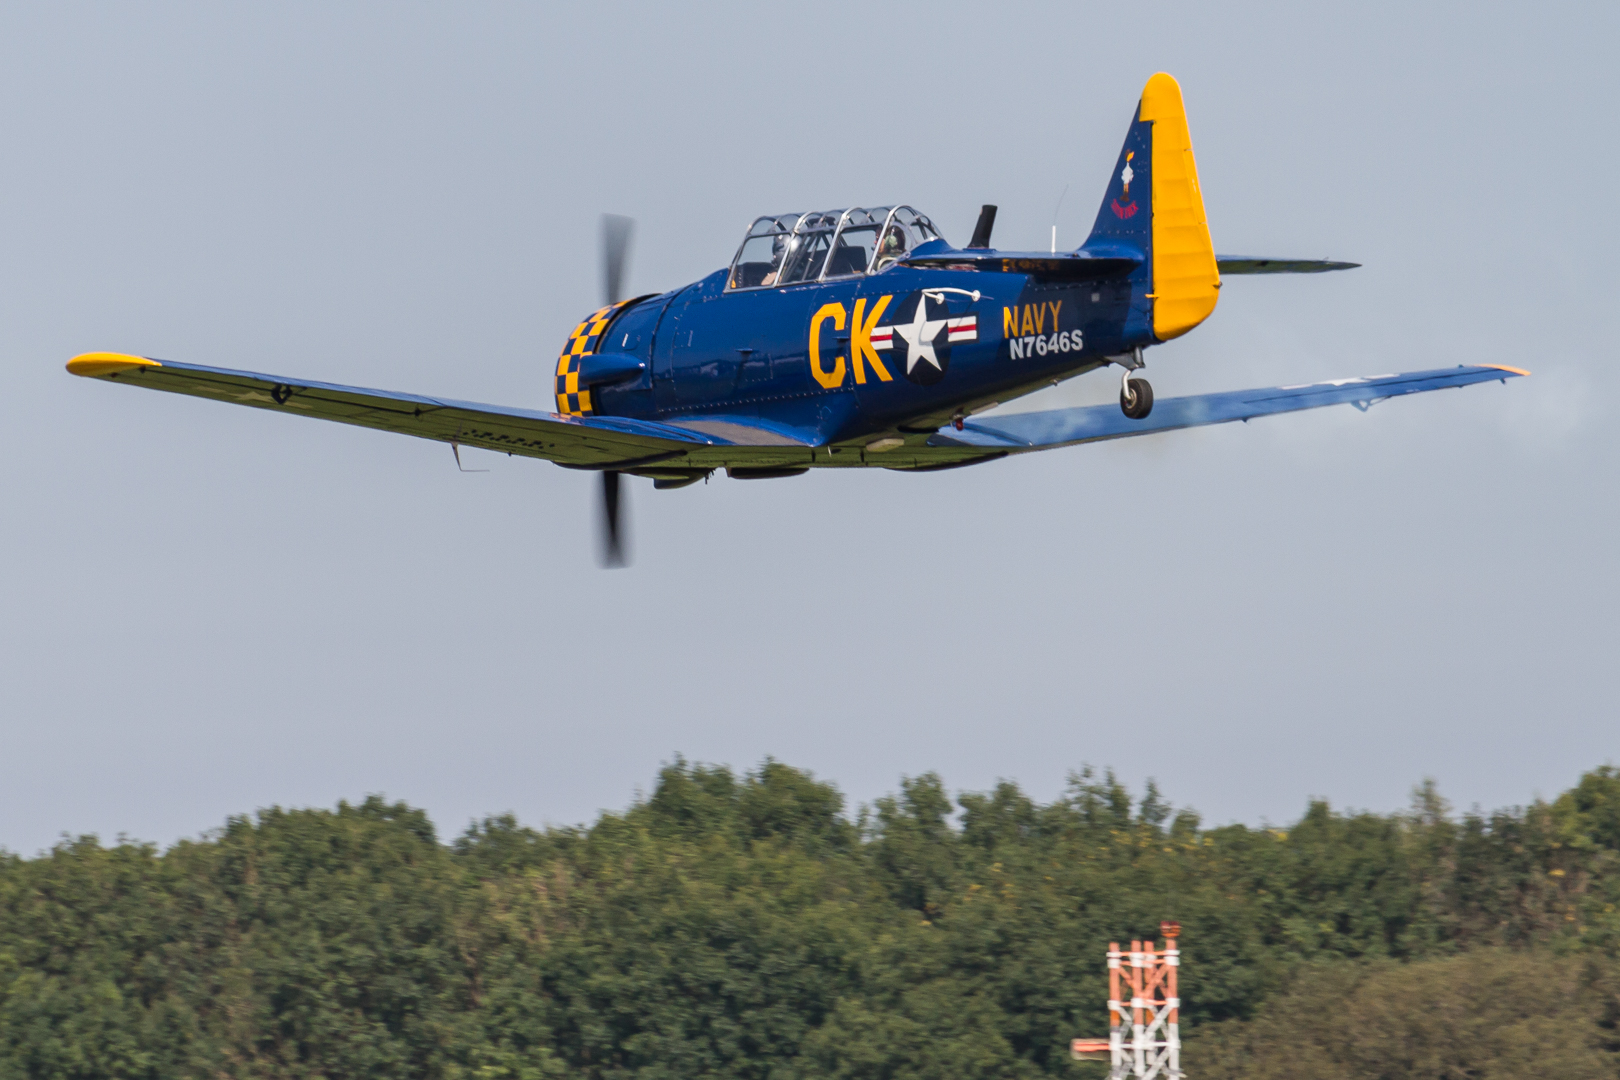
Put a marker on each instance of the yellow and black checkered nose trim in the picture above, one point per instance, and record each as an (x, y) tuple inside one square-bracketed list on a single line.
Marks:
[(573, 399)]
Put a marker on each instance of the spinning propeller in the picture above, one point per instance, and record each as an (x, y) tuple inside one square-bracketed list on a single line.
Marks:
[(615, 256)]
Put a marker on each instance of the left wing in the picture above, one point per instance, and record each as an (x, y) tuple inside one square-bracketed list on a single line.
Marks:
[(588, 442), (1023, 432)]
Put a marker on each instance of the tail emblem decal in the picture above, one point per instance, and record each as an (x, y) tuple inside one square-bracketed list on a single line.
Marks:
[(1123, 210)]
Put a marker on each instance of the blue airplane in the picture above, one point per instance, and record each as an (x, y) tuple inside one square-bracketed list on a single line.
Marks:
[(858, 338)]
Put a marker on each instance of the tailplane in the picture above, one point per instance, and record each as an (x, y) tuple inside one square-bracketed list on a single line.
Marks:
[(1154, 210)]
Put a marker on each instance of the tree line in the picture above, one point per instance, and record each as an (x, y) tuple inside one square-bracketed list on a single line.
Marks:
[(751, 926)]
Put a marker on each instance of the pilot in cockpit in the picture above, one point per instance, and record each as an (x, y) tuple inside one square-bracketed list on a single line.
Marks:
[(891, 248)]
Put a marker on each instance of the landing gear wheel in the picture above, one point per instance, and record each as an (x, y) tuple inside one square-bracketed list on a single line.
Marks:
[(1136, 399)]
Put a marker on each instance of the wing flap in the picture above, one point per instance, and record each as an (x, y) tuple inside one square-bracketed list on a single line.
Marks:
[(1093, 423)]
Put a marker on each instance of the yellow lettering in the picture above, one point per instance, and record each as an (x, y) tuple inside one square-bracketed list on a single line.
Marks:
[(860, 344), (833, 379), (1029, 320), (1040, 318), (1009, 321), (1055, 304)]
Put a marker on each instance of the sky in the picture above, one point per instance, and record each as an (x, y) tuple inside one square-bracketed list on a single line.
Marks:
[(211, 610)]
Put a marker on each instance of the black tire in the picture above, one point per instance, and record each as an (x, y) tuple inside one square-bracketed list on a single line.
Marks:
[(1136, 399)]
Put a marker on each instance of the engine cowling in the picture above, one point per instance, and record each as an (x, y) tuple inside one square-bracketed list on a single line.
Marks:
[(578, 371)]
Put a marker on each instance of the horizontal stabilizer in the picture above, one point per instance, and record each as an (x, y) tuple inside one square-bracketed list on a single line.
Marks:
[(1092, 423), (1254, 264)]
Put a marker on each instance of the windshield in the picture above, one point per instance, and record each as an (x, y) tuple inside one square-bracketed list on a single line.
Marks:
[(759, 260)]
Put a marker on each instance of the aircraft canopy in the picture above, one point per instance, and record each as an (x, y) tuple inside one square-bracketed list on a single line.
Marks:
[(791, 249)]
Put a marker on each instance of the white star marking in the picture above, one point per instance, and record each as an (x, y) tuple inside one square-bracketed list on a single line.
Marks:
[(919, 335)]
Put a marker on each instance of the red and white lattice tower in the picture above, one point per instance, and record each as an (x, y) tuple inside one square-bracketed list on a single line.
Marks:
[(1144, 1011)]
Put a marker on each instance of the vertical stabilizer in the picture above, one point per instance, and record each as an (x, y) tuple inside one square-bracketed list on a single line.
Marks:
[(1154, 206)]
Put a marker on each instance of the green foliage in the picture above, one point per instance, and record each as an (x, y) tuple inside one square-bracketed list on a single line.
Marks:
[(1488, 1015), (750, 927)]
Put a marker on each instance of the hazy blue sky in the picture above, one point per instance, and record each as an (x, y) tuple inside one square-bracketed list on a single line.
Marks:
[(211, 609)]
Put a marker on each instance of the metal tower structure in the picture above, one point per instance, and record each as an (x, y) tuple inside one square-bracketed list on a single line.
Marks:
[(1144, 1010)]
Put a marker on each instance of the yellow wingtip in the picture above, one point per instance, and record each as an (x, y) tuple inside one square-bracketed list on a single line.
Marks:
[(96, 364), (1504, 367)]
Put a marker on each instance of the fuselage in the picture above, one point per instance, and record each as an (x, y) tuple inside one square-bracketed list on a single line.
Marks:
[(833, 361)]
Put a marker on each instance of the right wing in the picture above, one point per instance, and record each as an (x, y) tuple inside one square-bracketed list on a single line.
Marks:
[(1023, 432)]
